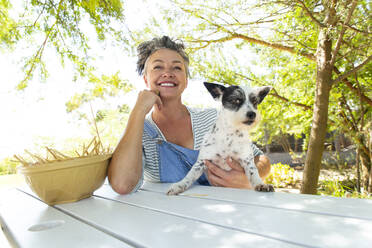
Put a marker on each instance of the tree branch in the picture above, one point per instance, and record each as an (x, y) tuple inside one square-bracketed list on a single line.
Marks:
[(308, 12), (355, 90), (342, 32), (234, 35), (347, 74), (275, 94), (40, 51), (289, 49), (353, 126), (293, 39), (361, 104), (355, 29)]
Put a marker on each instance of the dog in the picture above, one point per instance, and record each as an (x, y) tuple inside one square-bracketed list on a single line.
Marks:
[(229, 135)]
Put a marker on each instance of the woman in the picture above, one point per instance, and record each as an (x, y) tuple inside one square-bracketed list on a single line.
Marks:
[(162, 145)]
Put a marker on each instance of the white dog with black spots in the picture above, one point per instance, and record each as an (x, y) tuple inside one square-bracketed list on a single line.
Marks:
[(229, 137)]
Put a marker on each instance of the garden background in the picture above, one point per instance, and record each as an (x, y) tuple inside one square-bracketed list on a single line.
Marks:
[(68, 64)]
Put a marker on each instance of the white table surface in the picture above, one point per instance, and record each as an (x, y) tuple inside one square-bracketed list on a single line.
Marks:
[(201, 217)]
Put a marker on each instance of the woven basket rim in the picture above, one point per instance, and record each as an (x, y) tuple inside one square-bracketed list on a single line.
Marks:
[(64, 164)]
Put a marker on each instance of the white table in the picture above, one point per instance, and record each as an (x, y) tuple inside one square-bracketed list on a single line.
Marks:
[(201, 217)]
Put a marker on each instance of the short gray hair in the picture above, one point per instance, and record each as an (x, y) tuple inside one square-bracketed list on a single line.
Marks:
[(145, 49)]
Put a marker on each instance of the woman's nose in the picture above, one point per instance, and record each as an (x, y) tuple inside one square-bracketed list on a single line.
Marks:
[(167, 73)]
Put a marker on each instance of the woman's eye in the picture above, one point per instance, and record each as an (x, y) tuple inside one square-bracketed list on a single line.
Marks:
[(157, 67), (178, 68)]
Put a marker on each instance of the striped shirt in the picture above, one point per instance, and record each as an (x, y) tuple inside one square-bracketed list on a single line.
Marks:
[(201, 120)]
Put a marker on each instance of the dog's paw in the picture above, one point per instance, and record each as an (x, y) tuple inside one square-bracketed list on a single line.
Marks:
[(176, 188), (264, 188)]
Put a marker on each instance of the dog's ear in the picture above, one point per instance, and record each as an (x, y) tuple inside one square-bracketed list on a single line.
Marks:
[(262, 92), (216, 90)]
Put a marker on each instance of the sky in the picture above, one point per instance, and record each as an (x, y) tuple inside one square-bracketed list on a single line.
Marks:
[(39, 110)]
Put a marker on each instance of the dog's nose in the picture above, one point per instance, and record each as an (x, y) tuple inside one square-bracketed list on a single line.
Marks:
[(251, 115)]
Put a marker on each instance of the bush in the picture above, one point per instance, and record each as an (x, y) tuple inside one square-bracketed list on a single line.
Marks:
[(337, 188), (282, 176)]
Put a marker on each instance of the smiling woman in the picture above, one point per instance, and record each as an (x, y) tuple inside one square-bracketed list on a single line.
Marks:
[(165, 72), (162, 145)]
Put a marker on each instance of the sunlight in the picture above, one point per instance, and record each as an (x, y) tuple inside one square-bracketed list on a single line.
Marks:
[(39, 112), (175, 228), (294, 206), (221, 208), (206, 231), (241, 240), (334, 240)]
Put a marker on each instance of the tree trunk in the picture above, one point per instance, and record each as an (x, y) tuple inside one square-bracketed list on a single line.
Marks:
[(369, 145), (357, 161), (320, 114), (266, 133), (366, 169), (337, 143), (370, 179), (364, 159)]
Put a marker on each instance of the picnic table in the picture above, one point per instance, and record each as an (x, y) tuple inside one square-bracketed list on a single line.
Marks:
[(200, 217)]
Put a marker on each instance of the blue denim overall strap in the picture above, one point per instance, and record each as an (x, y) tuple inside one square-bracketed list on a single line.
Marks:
[(174, 161)]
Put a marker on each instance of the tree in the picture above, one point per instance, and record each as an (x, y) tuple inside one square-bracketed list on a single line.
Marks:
[(331, 37), (63, 25)]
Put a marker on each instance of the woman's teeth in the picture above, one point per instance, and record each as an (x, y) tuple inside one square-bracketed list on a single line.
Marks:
[(167, 84)]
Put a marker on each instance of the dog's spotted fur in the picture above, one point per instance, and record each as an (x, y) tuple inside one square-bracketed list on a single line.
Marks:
[(229, 136)]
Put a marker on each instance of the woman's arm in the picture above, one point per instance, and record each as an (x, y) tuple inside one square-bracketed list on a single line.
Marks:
[(236, 178), (125, 168)]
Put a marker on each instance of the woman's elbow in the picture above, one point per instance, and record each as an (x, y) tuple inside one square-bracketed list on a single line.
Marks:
[(122, 180), (121, 188), (263, 165)]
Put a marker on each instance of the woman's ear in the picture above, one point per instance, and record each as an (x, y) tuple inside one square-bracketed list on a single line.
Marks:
[(145, 79)]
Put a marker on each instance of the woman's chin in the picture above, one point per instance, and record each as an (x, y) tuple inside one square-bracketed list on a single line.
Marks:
[(170, 93)]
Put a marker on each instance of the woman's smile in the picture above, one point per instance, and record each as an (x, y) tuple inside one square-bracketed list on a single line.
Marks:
[(167, 84), (166, 72)]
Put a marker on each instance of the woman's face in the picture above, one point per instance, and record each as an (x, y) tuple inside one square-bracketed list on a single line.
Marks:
[(165, 72)]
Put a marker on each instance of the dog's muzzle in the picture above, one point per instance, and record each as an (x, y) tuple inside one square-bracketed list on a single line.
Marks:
[(251, 117)]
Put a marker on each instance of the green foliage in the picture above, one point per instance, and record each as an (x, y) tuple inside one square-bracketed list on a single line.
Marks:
[(62, 25), (100, 88), (8, 26), (292, 79), (333, 188), (8, 166), (111, 124), (282, 176), (337, 188), (280, 38)]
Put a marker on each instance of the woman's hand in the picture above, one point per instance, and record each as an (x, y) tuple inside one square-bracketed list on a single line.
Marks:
[(146, 100), (235, 178)]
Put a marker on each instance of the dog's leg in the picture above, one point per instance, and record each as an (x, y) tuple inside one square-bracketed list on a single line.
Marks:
[(196, 171), (251, 172)]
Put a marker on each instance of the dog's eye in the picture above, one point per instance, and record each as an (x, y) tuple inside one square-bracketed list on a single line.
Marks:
[(237, 101), (254, 101)]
